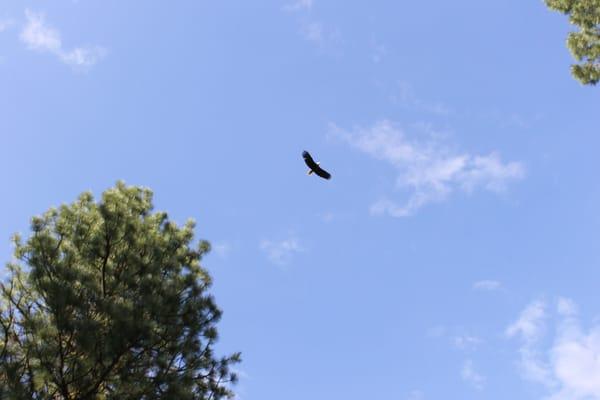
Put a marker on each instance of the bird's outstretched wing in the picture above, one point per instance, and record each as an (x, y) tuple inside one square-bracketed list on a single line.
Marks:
[(309, 160), (322, 173), (314, 167)]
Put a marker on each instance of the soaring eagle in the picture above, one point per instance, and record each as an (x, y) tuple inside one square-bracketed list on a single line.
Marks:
[(314, 166)]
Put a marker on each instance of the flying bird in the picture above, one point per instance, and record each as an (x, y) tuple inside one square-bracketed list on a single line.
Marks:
[(314, 166)]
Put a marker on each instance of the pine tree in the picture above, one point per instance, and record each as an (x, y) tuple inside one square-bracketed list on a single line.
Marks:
[(108, 300), (584, 44)]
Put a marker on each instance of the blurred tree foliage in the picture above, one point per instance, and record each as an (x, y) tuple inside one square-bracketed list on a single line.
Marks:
[(584, 44)]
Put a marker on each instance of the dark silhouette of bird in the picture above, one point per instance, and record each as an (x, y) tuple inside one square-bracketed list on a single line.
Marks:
[(314, 166)]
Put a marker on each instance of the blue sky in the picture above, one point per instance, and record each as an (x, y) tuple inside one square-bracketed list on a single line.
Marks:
[(454, 254)]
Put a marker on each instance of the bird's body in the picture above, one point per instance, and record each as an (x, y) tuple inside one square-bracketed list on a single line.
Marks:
[(314, 166)]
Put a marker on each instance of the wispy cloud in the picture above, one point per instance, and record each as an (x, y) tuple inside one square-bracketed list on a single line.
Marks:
[(404, 96), (328, 216), (6, 24), (222, 249), (311, 29), (299, 5), (470, 375), (39, 36), (570, 367), (530, 324), (428, 169), (456, 337), (566, 307), (529, 328), (467, 342), (416, 395), (487, 285), (281, 252), (378, 52), (317, 33)]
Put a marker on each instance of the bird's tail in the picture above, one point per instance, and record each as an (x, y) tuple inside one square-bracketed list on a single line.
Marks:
[(310, 172)]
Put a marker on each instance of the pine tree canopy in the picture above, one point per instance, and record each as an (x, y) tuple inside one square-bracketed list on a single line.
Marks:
[(584, 44), (108, 300)]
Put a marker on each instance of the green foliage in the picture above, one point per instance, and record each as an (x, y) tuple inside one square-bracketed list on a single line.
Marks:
[(584, 44), (113, 304)]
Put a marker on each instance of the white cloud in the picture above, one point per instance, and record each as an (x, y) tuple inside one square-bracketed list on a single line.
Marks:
[(570, 368), (38, 36), (281, 252), (530, 328), (470, 375), (575, 359), (428, 169), (487, 285), (299, 5), (466, 342), (83, 56), (530, 325), (566, 307)]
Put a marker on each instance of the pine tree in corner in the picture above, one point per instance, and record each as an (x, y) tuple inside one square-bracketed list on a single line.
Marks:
[(108, 300)]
